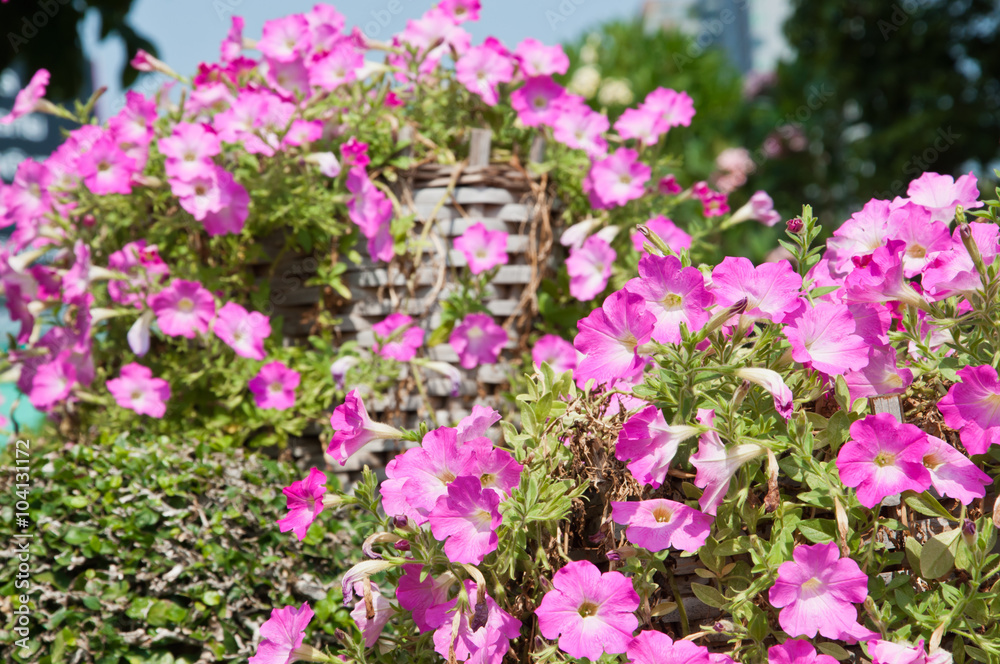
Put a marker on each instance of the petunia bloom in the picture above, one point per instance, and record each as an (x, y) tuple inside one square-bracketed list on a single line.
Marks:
[(647, 444), (183, 309), (482, 632), (675, 295), (816, 592), (555, 350), (770, 289), (590, 613), (27, 99), (972, 406), (274, 386), (884, 457), (941, 194), (466, 519), (797, 651), (953, 474), (353, 429), (482, 68), (137, 390), (773, 383), (477, 340), (397, 338), (823, 337), (283, 634), (242, 331), (589, 268), (610, 336), (304, 503), (483, 249), (715, 464), (617, 179), (881, 375), (418, 596), (652, 647), (659, 524), (370, 625), (888, 652)]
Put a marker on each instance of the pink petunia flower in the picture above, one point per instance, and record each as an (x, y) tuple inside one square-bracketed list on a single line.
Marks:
[(675, 295), (610, 336), (760, 207), (466, 519), (863, 233), (773, 383), (953, 474), (879, 278), (537, 59), (537, 101), (676, 109), (555, 350), (137, 390), (353, 429), (797, 651), (495, 469), (144, 268), (189, 150), (285, 39), (106, 169), (647, 444), (672, 235), (53, 381), (589, 268), (771, 289), (652, 647), (242, 331), (483, 249), (887, 652), (27, 99), (659, 524), (582, 128), (972, 406), (418, 596), (274, 386), (941, 194), (477, 340), (183, 309), (477, 423), (418, 477), (371, 210), (396, 339), (953, 272), (482, 68), (336, 67), (590, 613), (880, 376), (884, 457), (482, 633), (304, 503), (371, 626), (617, 179), (816, 590), (715, 465), (461, 11), (283, 634), (923, 239), (642, 124), (822, 337)]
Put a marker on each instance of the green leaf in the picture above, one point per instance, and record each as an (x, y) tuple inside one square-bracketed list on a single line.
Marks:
[(833, 650), (733, 546), (926, 504), (76, 535), (938, 555), (165, 612), (709, 595), (842, 394), (913, 551), (211, 597)]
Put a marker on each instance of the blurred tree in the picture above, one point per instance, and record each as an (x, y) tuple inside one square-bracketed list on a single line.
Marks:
[(39, 34), (884, 91)]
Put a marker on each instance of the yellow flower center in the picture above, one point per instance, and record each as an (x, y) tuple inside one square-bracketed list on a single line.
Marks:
[(883, 459), (185, 305), (587, 609), (662, 515)]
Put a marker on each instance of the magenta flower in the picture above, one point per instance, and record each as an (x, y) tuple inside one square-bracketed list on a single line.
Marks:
[(242, 331), (941, 194), (371, 627), (676, 109), (483, 249), (274, 386), (589, 268), (880, 376), (953, 474), (953, 272), (760, 207), (537, 59), (371, 210), (923, 239), (651, 647), (477, 423), (495, 469), (418, 596), (284, 39), (144, 268), (396, 339), (617, 179), (643, 124), (305, 502), (797, 651), (884, 457), (283, 634), (972, 406), (353, 429), (477, 340), (27, 99), (183, 309), (233, 207), (674, 294), (648, 445), (482, 68), (189, 150), (772, 382), (466, 519), (676, 239), (337, 66), (715, 465), (879, 278), (610, 336), (106, 169), (887, 652), (537, 101), (137, 390), (659, 524), (822, 337), (582, 128), (418, 477), (461, 11), (863, 233), (53, 381), (771, 289), (485, 643), (815, 592), (555, 350), (590, 613)]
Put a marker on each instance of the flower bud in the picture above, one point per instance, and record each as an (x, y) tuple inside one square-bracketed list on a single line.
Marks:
[(402, 545), (794, 225), (969, 532)]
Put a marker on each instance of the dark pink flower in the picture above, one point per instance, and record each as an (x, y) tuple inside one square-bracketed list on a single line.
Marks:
[(461, 11), (477, 423), (816, 592), (483, 249), (617, 179), (183, 309), (648, 444), (589, 268), (189, 150), (884, 457), (483, 631), (477, 340), (952, 272), (659, 524), (590, 613), (466, 519), (137, 390), (610, 337), (797, 651), (285, 39), (555, 350), (396, 339), (675, 295), (972, 406), (144, 269), (953, 474), (770, 289), (337, 66), (283, 634), (106, 169), (53, 381), (353, 429), (242, 331), (274, 386), (652, 647), (880, 376), (28, 98), (418, 597), (418, 477), (879, 278), (304, 503), (537, 101)]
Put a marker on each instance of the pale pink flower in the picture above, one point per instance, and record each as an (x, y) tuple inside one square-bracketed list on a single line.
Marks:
[(879, 278), (880, 376), (137, 390), (397, 338), (418, 596), (482, 68), (972, 406), (883, 458), (477, 423), (863, 233), (555, 350), (643, 124), (676, 109), (537, 101), (418, 477), (589, 268), (283, 634), (371, 627), (144, 268), (183, 309), (941, 194), (495, 469), (304, 500), (242, 331), (715, 464), (461, 11), (201, 194), (537, 59), (106, 169), (659, 524), (590, 613), (274, 386), (336, 67), (610, 336), (953, 474), (652, 647), (582, 128), (760, 207), (53, 381), (816, 592), (232, 45), (27, 99), (887, 652), (353, 428), (483, 249), (952, 272), (770, 289), (370, 209), (189, 150), (477, 340), (647, 444), (617, 179), (797, 651), (822, 337), (675, 295), (466, 519), (924, 240), (285, 39)]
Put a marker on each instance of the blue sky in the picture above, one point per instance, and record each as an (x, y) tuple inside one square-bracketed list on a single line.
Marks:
[(189, 31)]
